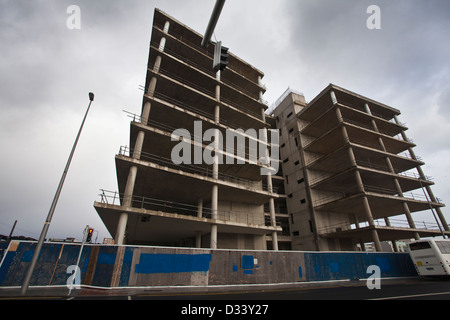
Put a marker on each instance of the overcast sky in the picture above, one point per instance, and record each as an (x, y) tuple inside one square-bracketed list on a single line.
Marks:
[(47, 70)]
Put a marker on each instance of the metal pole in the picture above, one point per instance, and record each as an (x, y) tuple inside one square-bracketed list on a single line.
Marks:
[(213, 22), (79, 258), (12, 230), (37, 251)]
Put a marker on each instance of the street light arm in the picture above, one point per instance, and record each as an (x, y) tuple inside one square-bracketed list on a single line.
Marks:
[(213, 22)]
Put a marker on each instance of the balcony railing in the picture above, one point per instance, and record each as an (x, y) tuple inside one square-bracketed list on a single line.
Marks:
[(393, 222), (172, 207), (197, 170)]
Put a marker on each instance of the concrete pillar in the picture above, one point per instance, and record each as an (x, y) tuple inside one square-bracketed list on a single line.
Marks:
[(333, 98), (263, 115), (367, 210), (200, 208), (166, 27), (374, 124), (129, 188), (138, 145), (157, 65), (213, 243), (146, 113), (394, 246), (351, 155), (198, 234), (339, 115), (152, 87), (198, 239), (162, 44), (369, 217), (121, 227), (273, 220), (127, 202)]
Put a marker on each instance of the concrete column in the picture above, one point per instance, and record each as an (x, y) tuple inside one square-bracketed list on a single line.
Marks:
[(166, 27), (152, 87), (273, 220), (367, 209), (162, 44), (333, 97), (359, 182), (386, 220), (198, 239), (157, 65), (406, 209), (394, 245), (127, 202), (198, 234), (121, 227), (213, 243), (369, 217), (374, 124), (361, 243), (343, 129), (146, 113), (339, 115), (200, 208), (366, 106), (128, 196), (138, 145)]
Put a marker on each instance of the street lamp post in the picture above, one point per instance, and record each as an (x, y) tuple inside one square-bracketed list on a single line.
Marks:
[(38, 248)]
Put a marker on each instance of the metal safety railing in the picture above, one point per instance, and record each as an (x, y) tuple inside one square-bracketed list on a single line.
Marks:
[(173, 207), (207, 171), (391, 222)]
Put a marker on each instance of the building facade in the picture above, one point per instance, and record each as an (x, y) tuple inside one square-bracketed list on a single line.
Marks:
[(350, 173), (178, 185), (204, 168)]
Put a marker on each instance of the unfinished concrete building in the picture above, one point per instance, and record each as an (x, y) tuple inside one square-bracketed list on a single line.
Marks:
[(350, 171), (193, 203)]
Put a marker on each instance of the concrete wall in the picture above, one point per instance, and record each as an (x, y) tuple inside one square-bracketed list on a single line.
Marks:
[(128, 266)]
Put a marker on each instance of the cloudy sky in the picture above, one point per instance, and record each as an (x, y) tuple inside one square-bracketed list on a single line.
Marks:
[(47, 70)]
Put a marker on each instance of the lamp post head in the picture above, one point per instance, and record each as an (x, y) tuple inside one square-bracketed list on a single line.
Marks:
[(91, 96)]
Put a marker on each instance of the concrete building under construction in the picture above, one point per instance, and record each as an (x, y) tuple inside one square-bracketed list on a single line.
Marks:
[(344, 161), (194, 203), (351, 173)]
